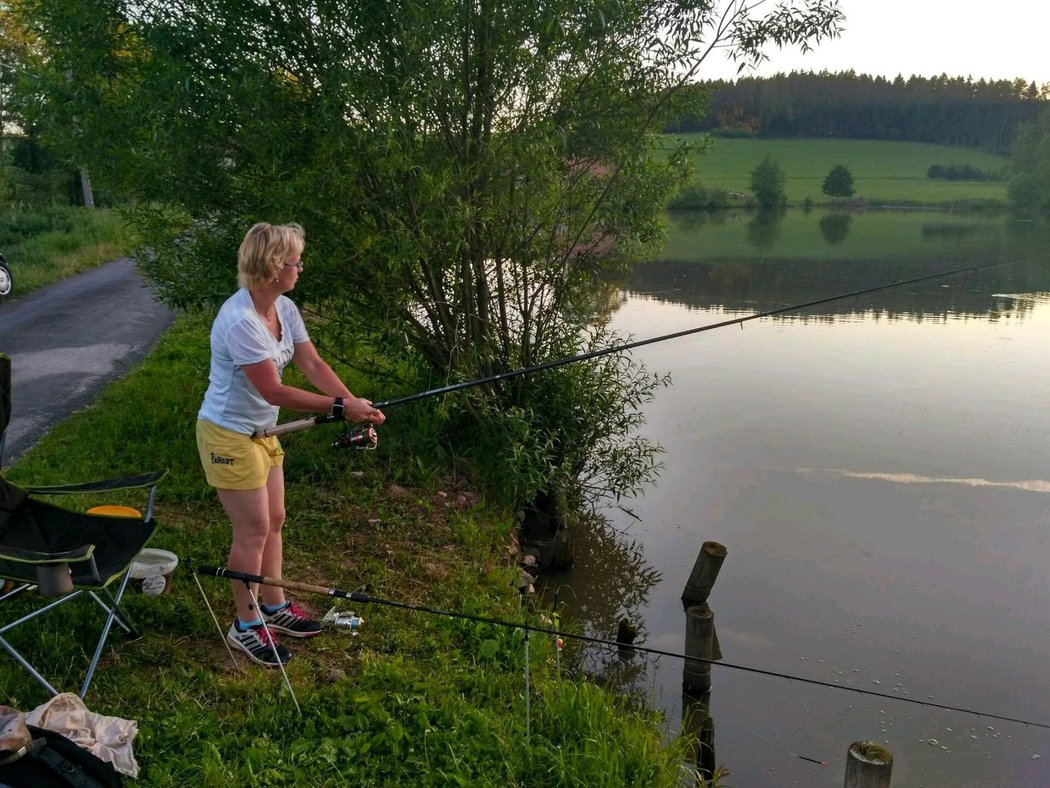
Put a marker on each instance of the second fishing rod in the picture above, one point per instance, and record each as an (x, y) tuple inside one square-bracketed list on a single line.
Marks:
[(364, 436)]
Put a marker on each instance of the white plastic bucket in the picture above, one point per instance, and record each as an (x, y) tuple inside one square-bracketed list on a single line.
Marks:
[(152, 569)]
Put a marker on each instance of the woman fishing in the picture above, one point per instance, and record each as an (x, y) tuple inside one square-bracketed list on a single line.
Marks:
[(255, 334)]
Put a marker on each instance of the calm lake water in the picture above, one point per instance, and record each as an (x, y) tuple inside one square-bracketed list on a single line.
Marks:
[(879, 470)]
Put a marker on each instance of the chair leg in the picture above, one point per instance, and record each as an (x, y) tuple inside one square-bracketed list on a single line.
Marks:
[(105, 633), (30, 616), (29, 668), (125, 623), (15, 590)]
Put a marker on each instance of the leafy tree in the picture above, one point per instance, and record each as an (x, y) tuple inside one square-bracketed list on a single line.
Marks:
[(21, 50), (767, 184), (838, 182), (15, 48), (1029, 189), (465, 171)]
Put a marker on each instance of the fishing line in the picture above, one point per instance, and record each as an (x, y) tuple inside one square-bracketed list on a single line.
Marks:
[(364, 598), (685, 332), (294, 426)]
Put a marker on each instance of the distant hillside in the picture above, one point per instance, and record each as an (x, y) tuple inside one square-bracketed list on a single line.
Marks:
[(944, 110), (883, 172)]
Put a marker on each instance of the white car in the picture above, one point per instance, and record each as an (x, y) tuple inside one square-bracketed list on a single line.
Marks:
[(7, 282)]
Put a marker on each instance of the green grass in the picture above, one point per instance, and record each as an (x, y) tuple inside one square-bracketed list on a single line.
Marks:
[(46, 245), (883, 172), (415, 699)]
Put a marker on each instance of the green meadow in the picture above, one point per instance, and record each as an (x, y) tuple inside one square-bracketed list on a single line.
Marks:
[(891, 173)]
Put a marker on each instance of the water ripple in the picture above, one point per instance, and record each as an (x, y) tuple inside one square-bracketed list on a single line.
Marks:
[(1029, 485)]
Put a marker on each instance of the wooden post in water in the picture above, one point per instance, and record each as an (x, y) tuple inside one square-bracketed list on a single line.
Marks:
[(699, 638), (699, 726), (705, 572), (868, 765), (700, 641)]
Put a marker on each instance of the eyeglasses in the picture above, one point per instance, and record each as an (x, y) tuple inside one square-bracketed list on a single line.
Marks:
[(298, 266)]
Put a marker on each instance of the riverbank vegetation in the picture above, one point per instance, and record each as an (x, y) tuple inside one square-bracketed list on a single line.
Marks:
[(414, 699), (46, 245)]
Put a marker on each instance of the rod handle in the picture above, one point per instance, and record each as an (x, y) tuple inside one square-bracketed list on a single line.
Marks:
[(295, 426), (222, 571)]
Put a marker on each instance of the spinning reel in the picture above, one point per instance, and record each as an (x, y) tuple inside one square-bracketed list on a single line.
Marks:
[(361, 436)]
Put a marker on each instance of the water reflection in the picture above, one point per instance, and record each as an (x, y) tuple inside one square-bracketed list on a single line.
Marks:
[(763, 231), (755, 262), (877, 469), (835, 227), (750, 285), (616, 588)]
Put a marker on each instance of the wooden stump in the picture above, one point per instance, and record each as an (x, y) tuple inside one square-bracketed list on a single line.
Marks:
[(699, 637), (705, 572), (868, 765)]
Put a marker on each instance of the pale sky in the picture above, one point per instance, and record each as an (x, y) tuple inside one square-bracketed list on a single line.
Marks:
[(997, 40)]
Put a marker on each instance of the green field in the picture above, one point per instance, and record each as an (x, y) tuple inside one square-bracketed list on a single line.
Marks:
[(883, 172)]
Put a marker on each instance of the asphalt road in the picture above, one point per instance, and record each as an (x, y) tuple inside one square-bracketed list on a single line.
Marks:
[(68, 340)]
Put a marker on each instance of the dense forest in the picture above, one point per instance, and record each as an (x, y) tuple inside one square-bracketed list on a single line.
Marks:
[(946, 110)]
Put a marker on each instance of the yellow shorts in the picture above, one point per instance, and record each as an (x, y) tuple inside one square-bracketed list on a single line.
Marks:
[(233, 461)]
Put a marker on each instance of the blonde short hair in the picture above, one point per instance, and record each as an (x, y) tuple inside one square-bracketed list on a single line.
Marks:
[(264, 250)]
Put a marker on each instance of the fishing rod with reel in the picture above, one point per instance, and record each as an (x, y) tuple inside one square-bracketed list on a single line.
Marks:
[(363, 436), (362, 597)]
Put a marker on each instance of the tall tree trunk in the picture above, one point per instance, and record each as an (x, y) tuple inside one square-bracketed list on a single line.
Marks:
[(85, 188)]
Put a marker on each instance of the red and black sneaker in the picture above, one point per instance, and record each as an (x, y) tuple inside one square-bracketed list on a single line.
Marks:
[(260, 646), (293, 621)]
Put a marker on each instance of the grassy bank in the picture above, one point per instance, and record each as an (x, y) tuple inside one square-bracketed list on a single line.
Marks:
[(414, 699), (45, 245), (892, 173)]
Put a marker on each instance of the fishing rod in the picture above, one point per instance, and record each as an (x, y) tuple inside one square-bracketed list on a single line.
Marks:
[(364, 598), (355, 439)]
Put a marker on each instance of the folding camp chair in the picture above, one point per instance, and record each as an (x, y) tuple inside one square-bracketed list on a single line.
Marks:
[(63, 553)]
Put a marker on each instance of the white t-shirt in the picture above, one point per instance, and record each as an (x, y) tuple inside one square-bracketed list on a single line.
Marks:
[(239, 337)]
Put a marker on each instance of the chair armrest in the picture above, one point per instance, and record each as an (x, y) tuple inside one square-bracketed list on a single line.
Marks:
[(105, 485), (82, 553)]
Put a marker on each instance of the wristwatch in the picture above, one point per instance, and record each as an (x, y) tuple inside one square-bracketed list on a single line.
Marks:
[(337, 408)]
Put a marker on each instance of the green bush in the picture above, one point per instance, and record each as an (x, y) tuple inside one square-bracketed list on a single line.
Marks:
[(838, 182), (573, 431), (698, 198), (964, 172)]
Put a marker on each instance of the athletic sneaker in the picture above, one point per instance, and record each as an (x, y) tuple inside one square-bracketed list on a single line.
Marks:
[(258, 644), (293, 621)]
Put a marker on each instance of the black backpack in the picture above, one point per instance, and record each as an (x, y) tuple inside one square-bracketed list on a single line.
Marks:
[(53, 761)]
